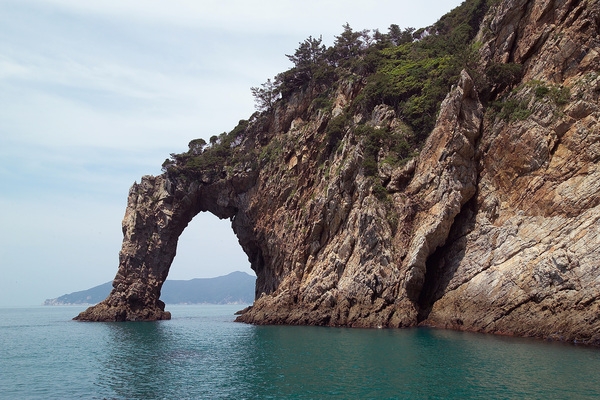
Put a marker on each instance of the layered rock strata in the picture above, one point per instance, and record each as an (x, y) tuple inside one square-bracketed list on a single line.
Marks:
[(493, 227), (524, 258)]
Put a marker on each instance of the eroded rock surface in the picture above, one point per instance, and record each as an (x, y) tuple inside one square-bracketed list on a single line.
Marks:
[(493, 227), (358, 269), (524, 259)]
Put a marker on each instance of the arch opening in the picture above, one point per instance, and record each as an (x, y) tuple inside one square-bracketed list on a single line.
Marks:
[(208, 248), (159, 210)]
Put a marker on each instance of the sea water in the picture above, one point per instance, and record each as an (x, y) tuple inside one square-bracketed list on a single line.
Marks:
[(202, 354)]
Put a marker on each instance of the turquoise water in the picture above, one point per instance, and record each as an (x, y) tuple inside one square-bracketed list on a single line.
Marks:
[(202, 354)]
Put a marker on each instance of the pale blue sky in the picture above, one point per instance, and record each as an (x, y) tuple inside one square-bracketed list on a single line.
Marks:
[(93, 95)]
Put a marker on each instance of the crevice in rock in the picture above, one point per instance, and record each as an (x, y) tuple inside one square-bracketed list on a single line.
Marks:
[(573, 12), (516, 38), (441, 266)]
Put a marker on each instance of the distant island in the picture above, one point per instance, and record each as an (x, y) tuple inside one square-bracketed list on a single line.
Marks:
[(234, 288)]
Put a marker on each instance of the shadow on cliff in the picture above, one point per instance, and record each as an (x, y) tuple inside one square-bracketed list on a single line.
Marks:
[(444, 262)]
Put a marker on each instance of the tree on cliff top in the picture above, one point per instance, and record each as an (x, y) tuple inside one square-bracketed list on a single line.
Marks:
[(404, 69), (266, 95), (307, 58)]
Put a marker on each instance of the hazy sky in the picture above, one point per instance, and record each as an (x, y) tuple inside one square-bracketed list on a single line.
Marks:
[(96, 94)]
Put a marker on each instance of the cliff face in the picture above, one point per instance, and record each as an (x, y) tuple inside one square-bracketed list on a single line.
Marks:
[(523, 256), (492, 227)]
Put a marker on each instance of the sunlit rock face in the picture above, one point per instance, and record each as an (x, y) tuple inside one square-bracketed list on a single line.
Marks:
[(523, 258), (493, 227), (158, 210)]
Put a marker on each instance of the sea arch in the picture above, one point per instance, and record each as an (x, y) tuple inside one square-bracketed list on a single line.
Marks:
[(159, 208), (241, 177)]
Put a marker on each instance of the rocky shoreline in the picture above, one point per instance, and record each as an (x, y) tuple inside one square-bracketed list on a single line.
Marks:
[(494, 227)]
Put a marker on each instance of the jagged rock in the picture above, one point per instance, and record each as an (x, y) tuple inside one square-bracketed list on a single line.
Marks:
[(523, 261), (323, 255), (493, 227)]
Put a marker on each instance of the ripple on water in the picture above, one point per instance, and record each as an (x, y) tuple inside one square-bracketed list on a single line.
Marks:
[(201, 353)]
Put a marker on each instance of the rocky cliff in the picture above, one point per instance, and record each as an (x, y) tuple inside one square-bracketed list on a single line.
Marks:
[(492, 227)]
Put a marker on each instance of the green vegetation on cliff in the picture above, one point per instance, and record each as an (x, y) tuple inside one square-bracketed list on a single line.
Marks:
[(202, 158), (409, 70)]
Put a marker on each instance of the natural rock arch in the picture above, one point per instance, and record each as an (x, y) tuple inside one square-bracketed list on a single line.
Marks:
[(158, 210)]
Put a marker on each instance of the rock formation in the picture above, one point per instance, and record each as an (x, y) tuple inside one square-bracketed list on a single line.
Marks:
[(524, 258), (493, 227)]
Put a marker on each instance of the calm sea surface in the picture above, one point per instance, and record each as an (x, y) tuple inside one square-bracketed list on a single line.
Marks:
[(202, 354)]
